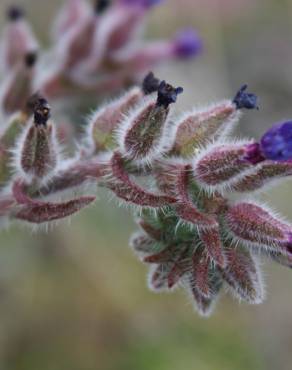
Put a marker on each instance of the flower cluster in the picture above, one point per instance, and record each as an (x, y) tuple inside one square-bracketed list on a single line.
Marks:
[(96, 50), (179, 174)]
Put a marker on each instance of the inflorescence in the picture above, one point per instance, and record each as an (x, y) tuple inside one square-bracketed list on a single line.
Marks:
[(179, 174)]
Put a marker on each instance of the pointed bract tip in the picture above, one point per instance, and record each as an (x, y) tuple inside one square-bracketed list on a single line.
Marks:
[(40, 108), (101, 6), (187, 43), (14, 13), (150, 84), (30, 59), (245, 100), (167, 94), (276, 143)]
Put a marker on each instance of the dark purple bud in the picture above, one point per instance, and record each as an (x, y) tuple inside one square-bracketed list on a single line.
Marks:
[(245, 100), (14, 13), (276, 143), (30, 59), (150, 84), (188, 43), (101, 6), (40, 108), (167, 94)]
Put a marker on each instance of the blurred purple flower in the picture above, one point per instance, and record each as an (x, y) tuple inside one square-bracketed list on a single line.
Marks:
[(188, 43), (276, 143)]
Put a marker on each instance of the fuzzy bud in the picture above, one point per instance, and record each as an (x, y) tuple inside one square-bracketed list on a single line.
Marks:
[(141, 135), (204, 303), (198, 128), (217, 167), (264, 174), (72, 50), (18, 39), (212, 242), (201, 271), (17, 87), (258, 228), (105, 121), (141, 243), (38, 152), (73, 12), (243, 276)]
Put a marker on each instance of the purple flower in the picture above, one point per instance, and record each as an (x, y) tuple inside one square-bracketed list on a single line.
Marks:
[(276, 143), (150, 84), (244, 99), (188, 43), (167, 94)]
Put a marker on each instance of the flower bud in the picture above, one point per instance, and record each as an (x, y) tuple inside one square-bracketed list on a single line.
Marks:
[(120, 25), (141, 243), (196, 129), (47, 212), (38, 152), (185, 45), (141, 136), (18, 39), (142, 58), (243, 276), (17, 87), (204, 304), (201, 271), (38, 211), (174, 259), (158, 277), (104, 122), (258, 228), (72, 50), (212, 242), (73, 12), (264, 174), (218, 166)]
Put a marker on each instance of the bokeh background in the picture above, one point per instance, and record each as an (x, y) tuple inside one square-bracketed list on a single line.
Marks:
[(76, 297)]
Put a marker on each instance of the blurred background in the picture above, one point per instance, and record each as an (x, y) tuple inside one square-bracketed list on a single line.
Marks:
[(76, 297)]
